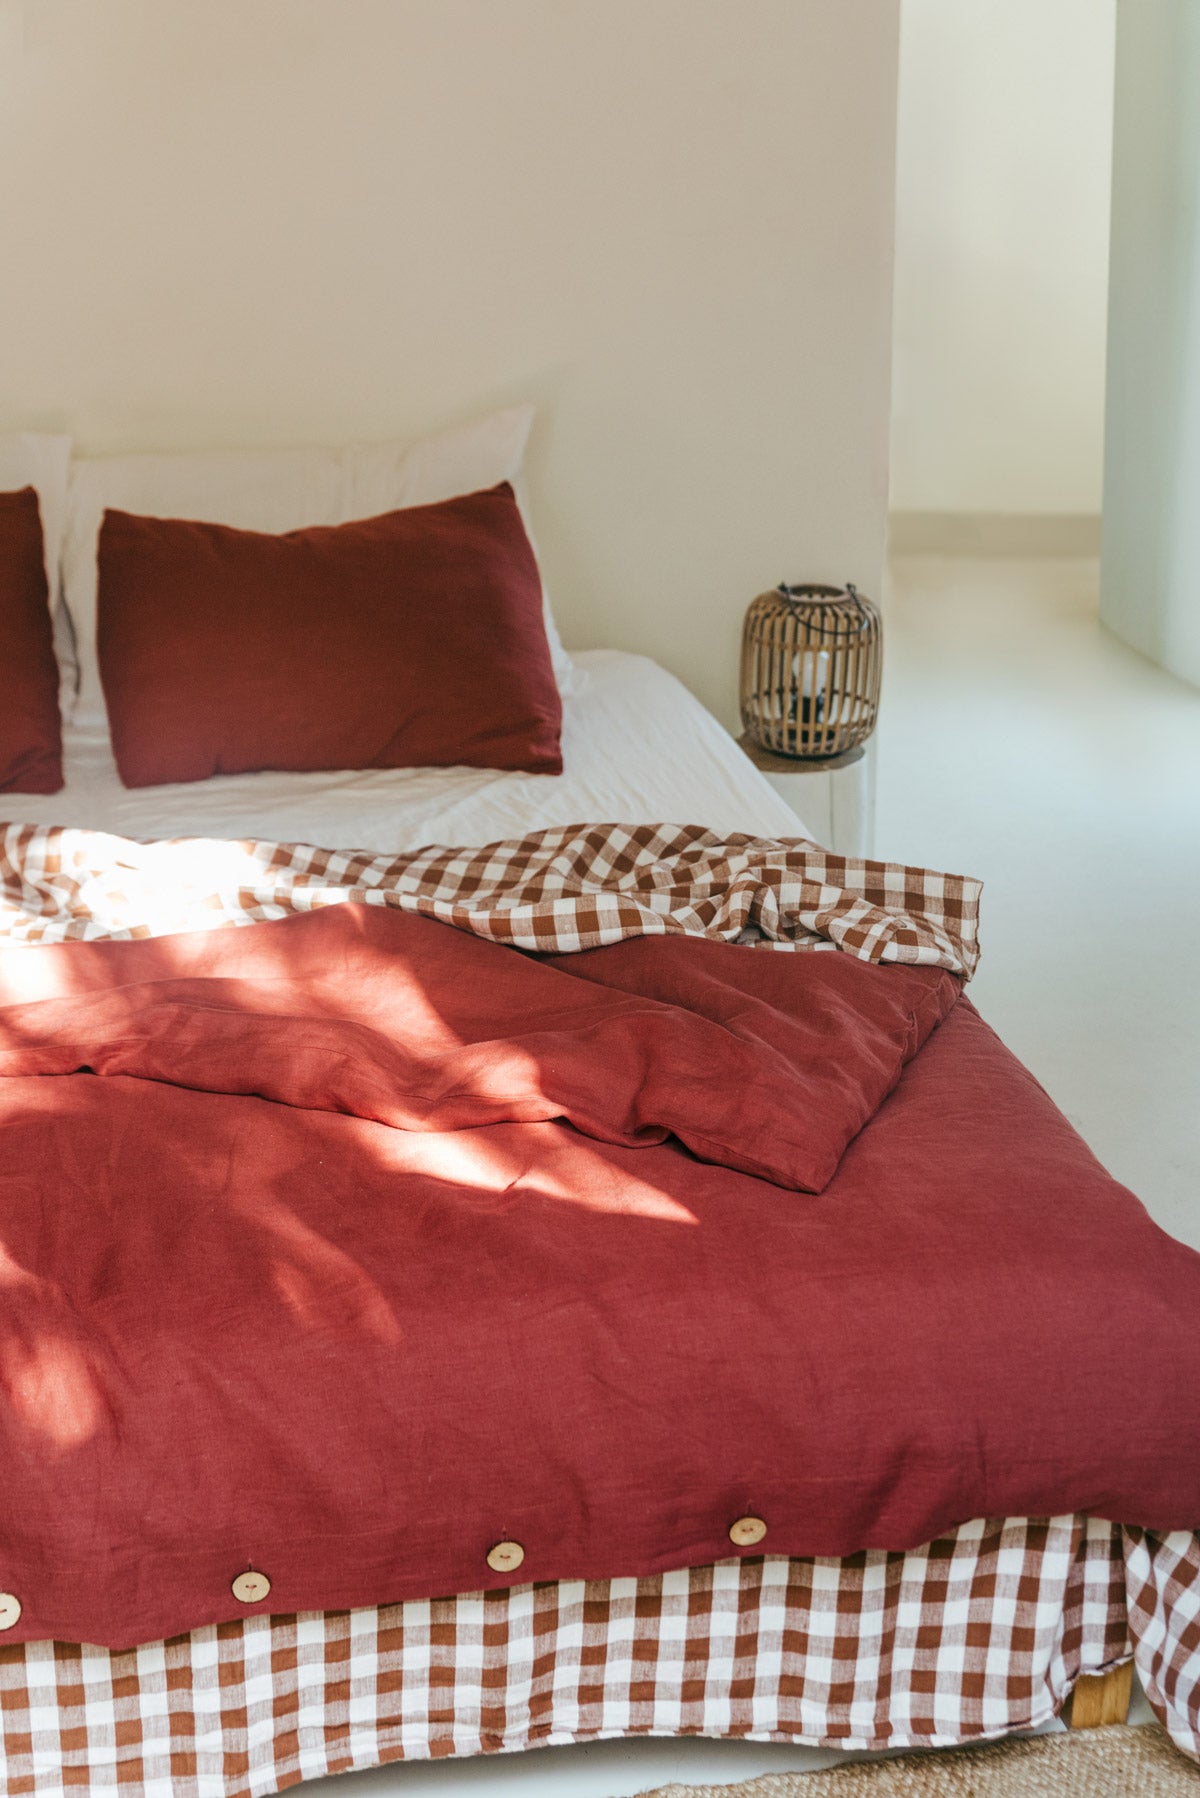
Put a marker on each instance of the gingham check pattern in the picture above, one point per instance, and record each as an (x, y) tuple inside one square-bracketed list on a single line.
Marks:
[(556, 891), (980, 1633), (1163, 1580)]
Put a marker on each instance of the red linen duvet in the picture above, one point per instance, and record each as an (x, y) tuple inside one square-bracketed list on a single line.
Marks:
[(342, 1248)]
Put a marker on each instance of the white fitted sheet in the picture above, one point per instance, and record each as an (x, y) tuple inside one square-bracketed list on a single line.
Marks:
[(637, 748)]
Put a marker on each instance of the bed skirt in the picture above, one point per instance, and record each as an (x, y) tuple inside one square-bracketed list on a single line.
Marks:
[(976, 1635)]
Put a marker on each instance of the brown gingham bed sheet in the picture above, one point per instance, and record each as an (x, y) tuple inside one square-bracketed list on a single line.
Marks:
[(978, 1634), (975, 1635), (556, 891)]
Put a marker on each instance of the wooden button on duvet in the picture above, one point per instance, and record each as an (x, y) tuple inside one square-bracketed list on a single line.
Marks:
[(505, 1557), (747, 1531), (251, 1588), (10, 1610)]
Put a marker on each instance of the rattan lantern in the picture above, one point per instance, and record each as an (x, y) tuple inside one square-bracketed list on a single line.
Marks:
[(812, 658)]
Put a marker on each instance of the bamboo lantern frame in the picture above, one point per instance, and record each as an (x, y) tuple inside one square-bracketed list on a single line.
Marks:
[(812, 662)]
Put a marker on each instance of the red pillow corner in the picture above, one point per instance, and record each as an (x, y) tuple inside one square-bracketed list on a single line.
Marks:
[(30, 722)]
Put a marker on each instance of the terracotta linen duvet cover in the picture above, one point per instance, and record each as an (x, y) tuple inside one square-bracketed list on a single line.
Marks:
[(344, 1247)]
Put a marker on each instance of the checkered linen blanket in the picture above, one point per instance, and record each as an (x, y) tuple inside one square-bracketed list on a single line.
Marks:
[(556, 891), (982, 1632), (975, 1635)]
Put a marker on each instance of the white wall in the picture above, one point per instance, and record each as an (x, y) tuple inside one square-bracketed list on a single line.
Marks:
[(1003, 169), (1150, 568), (667, 221)]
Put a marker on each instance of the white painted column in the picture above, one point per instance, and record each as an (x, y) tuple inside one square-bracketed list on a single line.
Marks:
[(1150, 577)]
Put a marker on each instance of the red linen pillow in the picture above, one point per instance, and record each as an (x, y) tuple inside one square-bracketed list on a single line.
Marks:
[(413, 639), (30, 725)]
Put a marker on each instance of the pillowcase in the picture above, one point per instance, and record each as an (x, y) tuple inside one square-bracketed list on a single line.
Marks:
[(281, 490), (30, 725), (413, 639), (42, 461)]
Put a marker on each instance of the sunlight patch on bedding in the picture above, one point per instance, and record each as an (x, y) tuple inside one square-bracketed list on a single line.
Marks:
[(175, 886), (499, 1158), (53, 1390)]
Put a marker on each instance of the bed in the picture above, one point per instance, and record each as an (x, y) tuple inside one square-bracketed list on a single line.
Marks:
[(827, 1365)]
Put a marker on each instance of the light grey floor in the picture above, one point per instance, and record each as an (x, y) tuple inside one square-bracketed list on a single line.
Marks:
[(1020, 743), (589, 1770)]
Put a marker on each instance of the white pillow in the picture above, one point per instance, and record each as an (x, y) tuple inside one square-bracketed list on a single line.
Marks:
[(281, 490), (34, 459)]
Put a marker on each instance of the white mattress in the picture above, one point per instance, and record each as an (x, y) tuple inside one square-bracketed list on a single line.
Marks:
[(637, 748)]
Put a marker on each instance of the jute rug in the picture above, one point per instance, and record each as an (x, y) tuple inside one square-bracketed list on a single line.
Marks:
[(1124, 1761)]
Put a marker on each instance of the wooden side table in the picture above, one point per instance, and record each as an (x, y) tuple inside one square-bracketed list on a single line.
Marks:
[(834, 799)]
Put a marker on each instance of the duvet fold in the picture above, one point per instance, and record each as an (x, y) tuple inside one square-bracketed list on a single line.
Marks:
[(767, 1065)]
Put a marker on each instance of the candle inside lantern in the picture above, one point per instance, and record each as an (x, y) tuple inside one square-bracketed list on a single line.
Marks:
[(818, 665)]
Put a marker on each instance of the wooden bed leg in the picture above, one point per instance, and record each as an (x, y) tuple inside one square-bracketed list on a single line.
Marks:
[(1101, 1698)]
